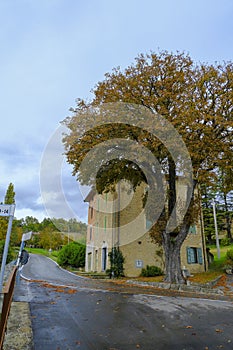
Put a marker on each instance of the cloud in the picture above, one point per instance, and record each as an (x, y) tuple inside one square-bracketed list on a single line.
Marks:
[(21, 165), (55, 51)]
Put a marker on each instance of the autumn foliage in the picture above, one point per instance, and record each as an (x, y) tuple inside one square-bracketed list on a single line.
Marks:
[(196, 99)]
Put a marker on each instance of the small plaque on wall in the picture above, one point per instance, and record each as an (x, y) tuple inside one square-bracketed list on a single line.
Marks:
[(139, 263)]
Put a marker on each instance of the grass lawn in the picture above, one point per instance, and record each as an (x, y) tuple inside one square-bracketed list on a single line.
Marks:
[(218, 263), (223, 250), (52, 255)]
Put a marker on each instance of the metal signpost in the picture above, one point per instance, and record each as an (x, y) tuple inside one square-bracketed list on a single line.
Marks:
[(25, 237), (6, 210)]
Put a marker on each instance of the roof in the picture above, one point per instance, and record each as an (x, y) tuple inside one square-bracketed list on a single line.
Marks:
[(90, 195)]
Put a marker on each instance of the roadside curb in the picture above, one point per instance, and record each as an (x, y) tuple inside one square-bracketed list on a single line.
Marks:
[(197, 288)]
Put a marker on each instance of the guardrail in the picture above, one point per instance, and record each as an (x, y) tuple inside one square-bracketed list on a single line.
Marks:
[(7, 292)]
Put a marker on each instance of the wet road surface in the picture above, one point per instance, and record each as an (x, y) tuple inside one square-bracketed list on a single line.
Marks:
[(87, 315)]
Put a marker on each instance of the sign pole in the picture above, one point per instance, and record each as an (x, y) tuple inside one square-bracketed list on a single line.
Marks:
[(6, 210), (25, 237), (20, 252)]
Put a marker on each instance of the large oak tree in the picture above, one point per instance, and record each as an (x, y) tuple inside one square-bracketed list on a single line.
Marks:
[(197, 99)]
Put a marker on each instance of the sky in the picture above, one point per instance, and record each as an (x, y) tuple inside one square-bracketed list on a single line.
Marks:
[(55, 51)]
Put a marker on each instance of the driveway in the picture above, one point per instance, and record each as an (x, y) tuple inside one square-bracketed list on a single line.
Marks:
[(69, 312)]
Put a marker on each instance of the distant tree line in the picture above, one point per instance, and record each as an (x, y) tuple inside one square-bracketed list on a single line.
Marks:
[(48, 234)]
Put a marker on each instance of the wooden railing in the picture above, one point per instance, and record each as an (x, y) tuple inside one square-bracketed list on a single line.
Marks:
[(7, 292)]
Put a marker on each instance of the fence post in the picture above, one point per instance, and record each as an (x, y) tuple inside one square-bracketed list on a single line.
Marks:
[(8, 295)]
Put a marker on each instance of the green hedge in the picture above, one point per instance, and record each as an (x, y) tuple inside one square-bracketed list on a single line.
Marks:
[(11, 254), (229, 256), (151, 271), (72, 254)]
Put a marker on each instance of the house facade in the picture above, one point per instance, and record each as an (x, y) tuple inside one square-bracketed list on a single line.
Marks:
[(117, 219)]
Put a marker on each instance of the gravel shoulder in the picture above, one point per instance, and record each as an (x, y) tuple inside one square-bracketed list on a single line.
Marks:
[(19, 329)]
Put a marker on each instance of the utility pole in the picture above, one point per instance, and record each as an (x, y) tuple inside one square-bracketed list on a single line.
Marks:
[(216, 229), (68, 231)]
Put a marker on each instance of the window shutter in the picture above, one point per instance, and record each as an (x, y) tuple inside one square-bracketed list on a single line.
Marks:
[(189, 255), (105, 223), (199, 256)]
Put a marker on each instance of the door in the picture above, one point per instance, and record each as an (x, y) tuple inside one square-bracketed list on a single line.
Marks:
[(104, 258)]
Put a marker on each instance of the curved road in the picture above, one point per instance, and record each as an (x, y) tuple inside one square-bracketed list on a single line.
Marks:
[(87, 315), (41, 268)]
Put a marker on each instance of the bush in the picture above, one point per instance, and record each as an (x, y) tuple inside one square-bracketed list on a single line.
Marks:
[(72, 254), (225, 242), (229, 256), (116, 263), (10, 255), (151, 271)]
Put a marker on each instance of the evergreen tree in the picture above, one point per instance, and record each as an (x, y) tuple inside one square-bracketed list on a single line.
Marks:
[(10, 195), (9, 199), (225, 199), (207, 208), (116, 263)]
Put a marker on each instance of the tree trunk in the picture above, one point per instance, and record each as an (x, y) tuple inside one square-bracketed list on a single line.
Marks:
[(171, 185), (172, 246), (172, 242)]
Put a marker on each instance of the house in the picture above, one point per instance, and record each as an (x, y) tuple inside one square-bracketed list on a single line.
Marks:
[(117, 219)]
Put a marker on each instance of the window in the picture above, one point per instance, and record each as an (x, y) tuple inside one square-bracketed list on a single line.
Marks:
[(192, 229), (91, 212), (90, 233), (148, 224), (194, 255)]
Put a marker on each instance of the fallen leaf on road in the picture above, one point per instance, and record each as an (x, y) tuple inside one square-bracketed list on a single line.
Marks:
[(189, 327), (218, 330), (72, 291), (59, 289)]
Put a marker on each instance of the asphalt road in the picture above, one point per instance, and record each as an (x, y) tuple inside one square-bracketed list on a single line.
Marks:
[(89, 314)]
